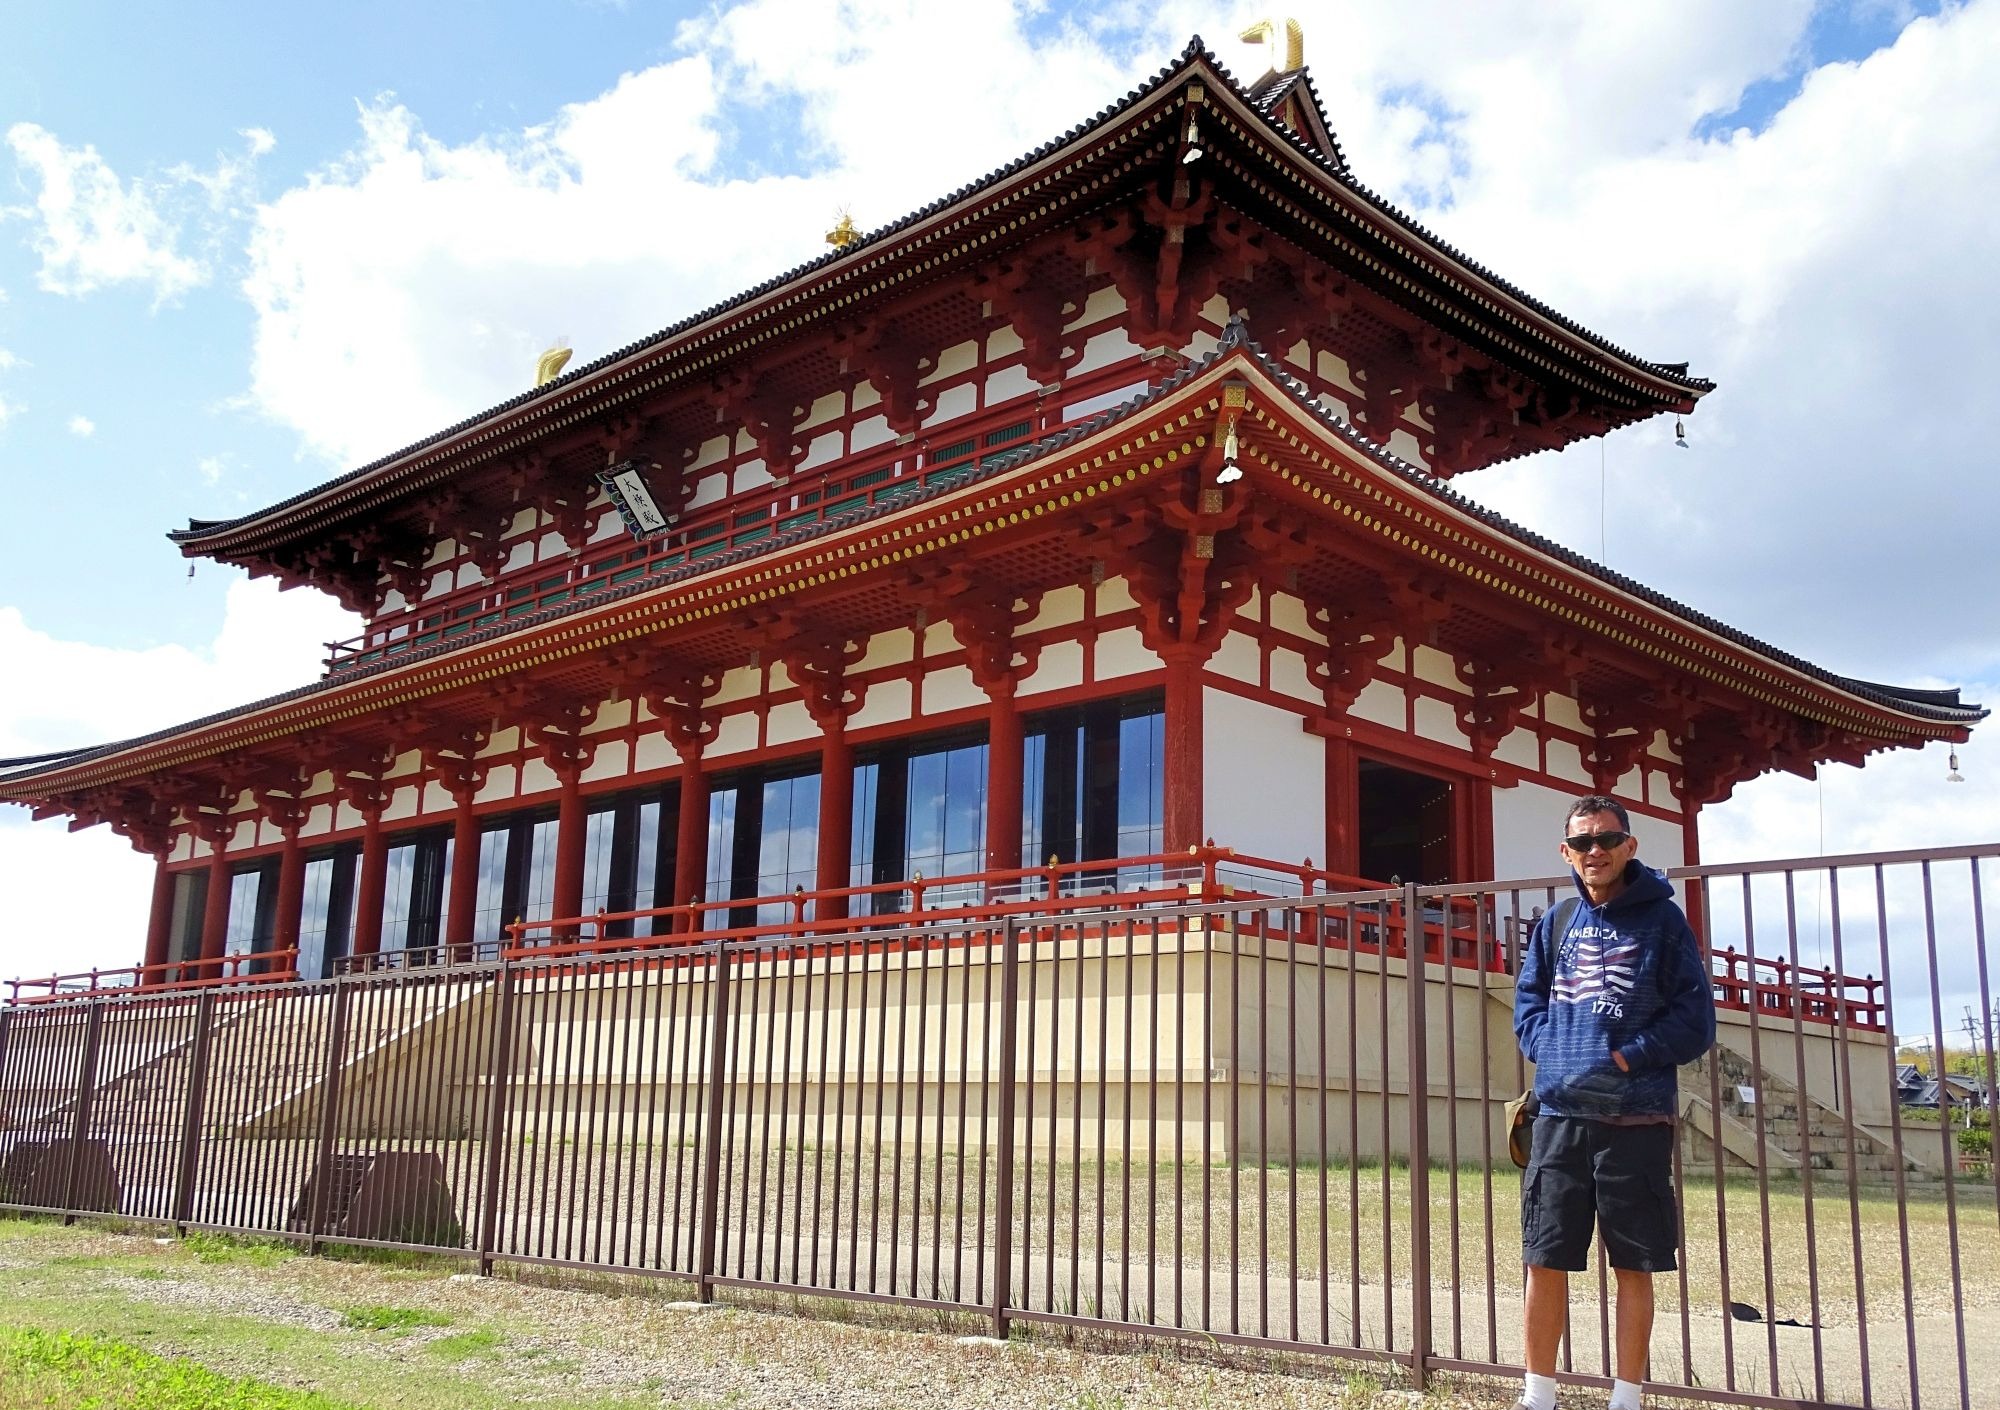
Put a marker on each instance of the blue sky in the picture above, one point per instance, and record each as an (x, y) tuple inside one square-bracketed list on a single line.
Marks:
[(295, 244)]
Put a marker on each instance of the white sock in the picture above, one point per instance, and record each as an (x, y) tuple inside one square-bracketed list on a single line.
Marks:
[(1624, 1395), (1540, 1393)]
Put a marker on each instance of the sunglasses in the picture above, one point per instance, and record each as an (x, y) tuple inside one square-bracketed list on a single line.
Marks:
[(1584, 841)]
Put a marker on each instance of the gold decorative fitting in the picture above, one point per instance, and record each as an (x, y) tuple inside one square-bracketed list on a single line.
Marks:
[(550, 364), (1266, 32), (844, 232)]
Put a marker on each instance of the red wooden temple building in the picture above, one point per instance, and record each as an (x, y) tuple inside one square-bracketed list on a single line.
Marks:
[(1106, 505)]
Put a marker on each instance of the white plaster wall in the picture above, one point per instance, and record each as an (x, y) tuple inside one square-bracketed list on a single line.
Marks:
[(1101, 304), (1009, 382), (1263, 779), (183, 849), (1660, 790), (501, 782), (1565, 761), (1002, 342), (1660, 843), (1058, 608), (1114, 595), (1437, 668), (865, 396), (956, 359), (1333, 368), (1527, 828), (823, 450), (1122, 653), (830, 407), (611, 760), (952, 403), (951, 688), (788, 722), (652, 751), (1380, 704), (888, 703), (537, 777), (894, 648), (1288, 614), (1237, 658), (743, 683), (1521, 749), (868, 433), (734, 734), (1560, 710), (1289, 676), (1058, 667), (1110, 346), (1438, 722)]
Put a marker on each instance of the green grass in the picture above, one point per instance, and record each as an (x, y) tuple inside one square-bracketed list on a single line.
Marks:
[(44, 1370), (229, 1249), (380, 1317), (460, 1346)]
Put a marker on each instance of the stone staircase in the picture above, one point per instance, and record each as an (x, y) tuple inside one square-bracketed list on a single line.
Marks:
[(1792, 1122)]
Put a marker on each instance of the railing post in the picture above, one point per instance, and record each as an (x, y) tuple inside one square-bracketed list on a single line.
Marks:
[(197, 1093), (86, 1083), (501, 1047), (1003, 1259), (711, 1173), (1416, 970), (329, 1115)]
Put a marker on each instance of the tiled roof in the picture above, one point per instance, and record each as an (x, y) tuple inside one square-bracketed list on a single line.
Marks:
[(1333, 164), (1943, 706)]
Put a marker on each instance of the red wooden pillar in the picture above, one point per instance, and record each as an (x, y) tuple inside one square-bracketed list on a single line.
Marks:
[(159, 922), (1343, 809), (1692, 894), (1004, 764), (836, 818), (215, 914), (464, 874), (291, 896), (1181, 821), (374, 881), (571, 825), (691, 835)]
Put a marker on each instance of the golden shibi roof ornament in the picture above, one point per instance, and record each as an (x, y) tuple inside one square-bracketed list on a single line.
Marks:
[(550, 364), (844, 233), (1266, 32)]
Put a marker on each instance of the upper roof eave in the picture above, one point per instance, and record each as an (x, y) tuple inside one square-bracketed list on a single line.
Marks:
[(206, 536), (1933, 706)]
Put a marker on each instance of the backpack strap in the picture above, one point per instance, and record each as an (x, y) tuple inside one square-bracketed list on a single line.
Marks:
[(1560, 920)]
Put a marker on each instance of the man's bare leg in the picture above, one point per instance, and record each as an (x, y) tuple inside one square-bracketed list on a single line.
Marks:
[(1635, 1323), (1546, 1314)]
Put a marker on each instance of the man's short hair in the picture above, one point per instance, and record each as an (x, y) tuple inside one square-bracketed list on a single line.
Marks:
[(1598, 803)]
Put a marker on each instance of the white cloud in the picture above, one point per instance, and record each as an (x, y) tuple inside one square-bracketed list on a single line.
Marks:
[(82, 426), (260, 140), (8, 361), (9, 410), (210, 467), (92, 229), (59, 694)]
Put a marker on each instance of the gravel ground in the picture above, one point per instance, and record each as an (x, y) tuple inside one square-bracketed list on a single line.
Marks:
[(571, 1335)]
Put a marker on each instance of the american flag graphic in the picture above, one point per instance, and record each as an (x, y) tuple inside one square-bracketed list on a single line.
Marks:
[(1595, 966)]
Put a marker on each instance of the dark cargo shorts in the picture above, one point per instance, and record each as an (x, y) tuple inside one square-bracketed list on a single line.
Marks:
[(1619, 1178)]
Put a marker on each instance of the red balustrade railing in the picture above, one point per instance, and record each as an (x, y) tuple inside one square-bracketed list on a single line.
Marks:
[(860, 481), (262, 967)]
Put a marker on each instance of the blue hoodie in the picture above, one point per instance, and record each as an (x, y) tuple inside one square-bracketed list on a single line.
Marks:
[(1626, 976)]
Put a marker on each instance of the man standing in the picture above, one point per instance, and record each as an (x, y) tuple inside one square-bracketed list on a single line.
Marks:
[(1612, 997)]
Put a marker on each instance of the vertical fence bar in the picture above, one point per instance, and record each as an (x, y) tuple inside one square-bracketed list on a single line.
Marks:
[(86, 1093), (711, 1170), (329, 1117), (1004, 1065), (1416, 976), (501, 1051), (1945, 1135), (191, 1111)]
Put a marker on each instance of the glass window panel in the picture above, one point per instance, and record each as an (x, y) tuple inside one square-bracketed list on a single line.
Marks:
[(598, 880), (788, 848), (721, 842), (399, 872), (489, 908), (1034, 763), (925, 812), (314, 912), (646, 881), (1141, 784), (539, 877), (861, 857), (947, 813), (240, 938)]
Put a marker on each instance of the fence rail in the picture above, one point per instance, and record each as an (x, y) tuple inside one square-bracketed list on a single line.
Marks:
[(1254, 1119)]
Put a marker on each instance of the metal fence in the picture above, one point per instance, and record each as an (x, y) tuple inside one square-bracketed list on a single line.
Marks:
[(1258, 1120)]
